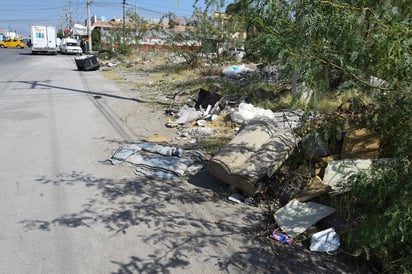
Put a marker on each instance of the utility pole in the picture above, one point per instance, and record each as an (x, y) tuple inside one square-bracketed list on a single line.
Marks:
[(135, 25), (61, 24), (124, 23), (89, 32), (70, 14)]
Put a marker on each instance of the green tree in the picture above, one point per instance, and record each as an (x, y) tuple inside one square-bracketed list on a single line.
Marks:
[(138, 28), (121, 41), (358, 38), (208, 37), (97, 39), (60, 34)]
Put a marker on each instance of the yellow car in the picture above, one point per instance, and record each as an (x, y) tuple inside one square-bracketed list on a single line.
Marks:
[(12, 43)]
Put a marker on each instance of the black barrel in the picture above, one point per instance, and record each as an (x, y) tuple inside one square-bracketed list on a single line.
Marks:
[(87, 62)]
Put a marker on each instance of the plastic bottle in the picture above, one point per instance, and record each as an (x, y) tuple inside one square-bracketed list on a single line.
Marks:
[(281, 237)]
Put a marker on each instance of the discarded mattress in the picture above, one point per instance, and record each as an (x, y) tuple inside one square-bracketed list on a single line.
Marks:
[(295, 217), (259, 149)]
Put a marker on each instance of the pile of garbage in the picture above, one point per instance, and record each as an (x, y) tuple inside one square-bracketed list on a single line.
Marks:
[(262, 144), (246, 72)]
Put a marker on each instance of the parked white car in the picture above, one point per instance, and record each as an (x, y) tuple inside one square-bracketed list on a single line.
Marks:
[(70, 46), (58, 44)]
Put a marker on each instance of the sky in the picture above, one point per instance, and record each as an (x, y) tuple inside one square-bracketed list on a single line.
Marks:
[(19, 15)]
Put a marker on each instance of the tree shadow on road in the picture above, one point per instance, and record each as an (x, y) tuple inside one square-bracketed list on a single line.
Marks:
[(182, 225)]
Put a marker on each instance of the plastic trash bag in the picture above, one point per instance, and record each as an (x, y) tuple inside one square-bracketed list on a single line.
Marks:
[(188, 114), (325, 241), (235, 71), (247, 112)]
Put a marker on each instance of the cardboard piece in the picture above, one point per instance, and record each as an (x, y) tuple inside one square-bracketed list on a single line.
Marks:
[(360, 144), (313, 189)]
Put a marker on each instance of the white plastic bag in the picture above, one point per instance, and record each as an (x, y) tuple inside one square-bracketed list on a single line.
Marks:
[(247, 112), (325, 241)]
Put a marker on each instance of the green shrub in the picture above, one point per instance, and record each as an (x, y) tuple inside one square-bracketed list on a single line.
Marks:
[(383, 223), (393, 119)]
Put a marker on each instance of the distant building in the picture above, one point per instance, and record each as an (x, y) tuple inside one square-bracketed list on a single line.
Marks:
[(6, 34), (152, 39)]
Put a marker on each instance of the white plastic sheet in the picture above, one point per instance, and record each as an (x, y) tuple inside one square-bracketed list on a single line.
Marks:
[(188, 114), (124, 152), (286, 119), (153, 160), (247, 112), (325, 241)]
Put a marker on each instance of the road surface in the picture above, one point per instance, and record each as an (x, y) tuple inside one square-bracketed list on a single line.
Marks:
[(63, 211)]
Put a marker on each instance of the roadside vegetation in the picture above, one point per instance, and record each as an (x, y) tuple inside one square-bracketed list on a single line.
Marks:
[(356, 59), (336, 47)]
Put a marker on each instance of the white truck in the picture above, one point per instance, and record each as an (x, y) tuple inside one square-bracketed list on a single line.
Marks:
[(70, 46), (43, 39)]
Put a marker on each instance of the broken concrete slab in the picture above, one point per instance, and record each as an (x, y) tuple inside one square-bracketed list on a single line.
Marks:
[(339, 174), (258, 149), (360, 144), (295, 217)]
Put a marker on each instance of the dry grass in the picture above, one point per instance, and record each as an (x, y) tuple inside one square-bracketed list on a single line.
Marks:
[(165, 84), (211, 146), (113, 75)]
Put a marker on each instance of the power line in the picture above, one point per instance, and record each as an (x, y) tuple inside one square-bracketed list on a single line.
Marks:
[(147, 10)]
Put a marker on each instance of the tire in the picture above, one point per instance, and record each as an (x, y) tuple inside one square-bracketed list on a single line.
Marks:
[(18, 47), (1, 46)]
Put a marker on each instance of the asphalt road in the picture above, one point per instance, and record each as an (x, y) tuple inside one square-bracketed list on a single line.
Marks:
[(63, 211), (53, 134)]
